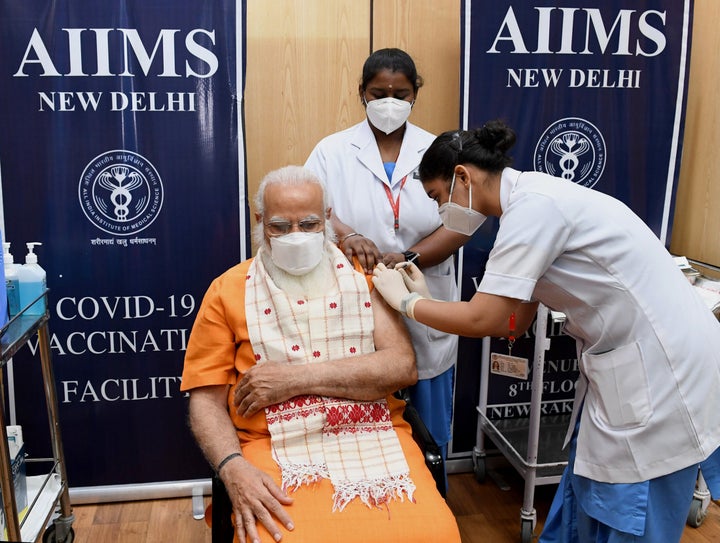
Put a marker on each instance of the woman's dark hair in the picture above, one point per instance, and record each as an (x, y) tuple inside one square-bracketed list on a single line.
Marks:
[(395, 60), (484, 147)]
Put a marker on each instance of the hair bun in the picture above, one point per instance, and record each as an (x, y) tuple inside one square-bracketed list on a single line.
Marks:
[(495, 135)]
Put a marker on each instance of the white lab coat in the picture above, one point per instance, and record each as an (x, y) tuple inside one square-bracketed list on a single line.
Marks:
[(648, 347), (350, 165)]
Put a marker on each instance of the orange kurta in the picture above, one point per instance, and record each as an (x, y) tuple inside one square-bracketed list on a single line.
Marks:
[(218, 350)]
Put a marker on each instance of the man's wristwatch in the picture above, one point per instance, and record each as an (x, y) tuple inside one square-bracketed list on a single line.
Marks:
[(411, 256)]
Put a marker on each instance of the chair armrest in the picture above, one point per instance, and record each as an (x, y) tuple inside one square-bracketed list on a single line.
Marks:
[(222, 528), (422, 436)]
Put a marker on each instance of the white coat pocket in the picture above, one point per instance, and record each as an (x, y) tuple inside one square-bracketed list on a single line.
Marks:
[(619, 384)]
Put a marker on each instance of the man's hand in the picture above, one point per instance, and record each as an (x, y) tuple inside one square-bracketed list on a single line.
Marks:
[(414, 279), (390, 284), (255, 497), (266, 384)]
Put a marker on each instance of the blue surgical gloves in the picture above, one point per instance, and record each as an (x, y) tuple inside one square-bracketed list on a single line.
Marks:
[(401, 287)]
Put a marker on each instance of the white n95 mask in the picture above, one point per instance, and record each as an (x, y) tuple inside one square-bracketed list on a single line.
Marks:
[(298, 252), (463, 220), (387, 114)]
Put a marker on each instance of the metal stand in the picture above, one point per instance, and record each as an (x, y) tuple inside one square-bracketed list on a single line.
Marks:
[(519, 440), (45, 492), (701, 495)]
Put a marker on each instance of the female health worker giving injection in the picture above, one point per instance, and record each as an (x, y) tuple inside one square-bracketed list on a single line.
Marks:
[(381, 213), (647, 400)]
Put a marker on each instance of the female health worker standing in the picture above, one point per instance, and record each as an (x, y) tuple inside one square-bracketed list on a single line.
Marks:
[(381, 213), (646, 404)]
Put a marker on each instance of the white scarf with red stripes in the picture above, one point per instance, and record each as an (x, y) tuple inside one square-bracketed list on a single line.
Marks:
[(350, 442)]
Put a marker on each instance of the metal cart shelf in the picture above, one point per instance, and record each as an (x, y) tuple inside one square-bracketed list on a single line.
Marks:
[(538, 458), (45, 492), (701, 495)]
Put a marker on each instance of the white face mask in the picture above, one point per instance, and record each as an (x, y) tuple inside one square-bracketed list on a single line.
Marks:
[(388, 114), (463, 220), (298, 252)]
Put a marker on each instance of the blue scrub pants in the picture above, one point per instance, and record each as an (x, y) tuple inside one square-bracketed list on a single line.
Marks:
[(586, 511)]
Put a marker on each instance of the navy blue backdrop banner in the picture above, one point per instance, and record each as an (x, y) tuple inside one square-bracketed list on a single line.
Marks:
[(121, 151), (595, 91)]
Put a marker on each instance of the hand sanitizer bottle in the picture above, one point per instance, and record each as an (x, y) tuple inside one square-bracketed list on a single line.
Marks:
[(33, 282), (12, 281)]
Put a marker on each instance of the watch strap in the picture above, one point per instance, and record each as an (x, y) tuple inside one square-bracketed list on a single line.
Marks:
[(410, 256)]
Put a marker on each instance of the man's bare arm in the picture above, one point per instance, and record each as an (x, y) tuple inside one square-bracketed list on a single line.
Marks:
[(253, 493)]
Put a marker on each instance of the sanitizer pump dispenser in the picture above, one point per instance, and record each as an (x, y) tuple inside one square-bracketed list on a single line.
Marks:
[(33, 282), (12, 281)]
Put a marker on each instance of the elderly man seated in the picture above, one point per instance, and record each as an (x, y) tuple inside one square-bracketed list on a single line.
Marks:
[(291, 365)]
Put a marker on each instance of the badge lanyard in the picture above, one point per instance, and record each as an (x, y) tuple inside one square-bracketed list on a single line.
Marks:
[(507, 364), (395, 203), (511, 335)]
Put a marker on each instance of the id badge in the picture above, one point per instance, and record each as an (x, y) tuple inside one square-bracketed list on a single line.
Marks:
[(510, 366)]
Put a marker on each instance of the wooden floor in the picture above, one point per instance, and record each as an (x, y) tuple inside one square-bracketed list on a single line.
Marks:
[(487, 514), (484, 512)]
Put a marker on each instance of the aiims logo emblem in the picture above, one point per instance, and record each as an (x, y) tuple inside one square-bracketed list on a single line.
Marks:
[(120, 192), (573, 149)]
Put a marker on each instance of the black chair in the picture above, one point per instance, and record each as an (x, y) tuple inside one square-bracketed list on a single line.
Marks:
[(222, 528), (422, 436)]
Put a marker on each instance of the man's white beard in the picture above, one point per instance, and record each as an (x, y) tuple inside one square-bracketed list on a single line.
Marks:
[(315, 283)]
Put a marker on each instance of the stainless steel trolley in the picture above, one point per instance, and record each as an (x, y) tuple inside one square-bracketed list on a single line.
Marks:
[(519, 440), (701, 495), (45, 492)]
